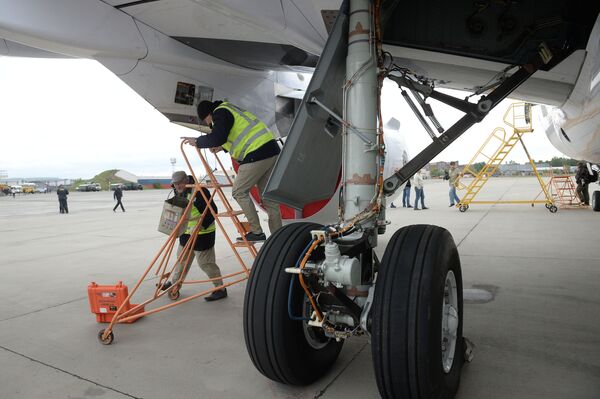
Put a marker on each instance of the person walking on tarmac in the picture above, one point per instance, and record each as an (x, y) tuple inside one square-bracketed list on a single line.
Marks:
[(406, 195), (453, 181), (582, 178), (62, 193), (204, 247), (118, 194), (252, 145), (418, 183)]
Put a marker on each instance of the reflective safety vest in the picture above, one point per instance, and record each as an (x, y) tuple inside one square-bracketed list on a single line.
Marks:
[(195, 214), (247, 134)]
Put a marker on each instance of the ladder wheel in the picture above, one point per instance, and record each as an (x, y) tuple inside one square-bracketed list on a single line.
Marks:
[(463, 208), (553, 208), (547, 206), (284, 350), (418, 300), (174, 294), (596, 201), (108, 340)]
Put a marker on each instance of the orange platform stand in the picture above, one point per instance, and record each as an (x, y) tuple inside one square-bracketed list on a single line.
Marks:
[(105, 300)]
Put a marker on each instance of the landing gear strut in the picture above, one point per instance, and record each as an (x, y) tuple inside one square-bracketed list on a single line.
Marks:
[(312, 287)]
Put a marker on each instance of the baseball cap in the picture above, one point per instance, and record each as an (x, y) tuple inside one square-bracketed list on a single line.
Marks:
[(179, 177)]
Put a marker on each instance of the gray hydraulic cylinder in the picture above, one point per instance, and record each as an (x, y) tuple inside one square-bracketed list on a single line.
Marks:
[(360, 159)]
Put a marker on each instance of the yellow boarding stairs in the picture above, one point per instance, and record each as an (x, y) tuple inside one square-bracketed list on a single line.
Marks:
[(499, 144)]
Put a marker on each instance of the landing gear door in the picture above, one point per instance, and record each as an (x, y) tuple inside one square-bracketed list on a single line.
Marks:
[(309, 165)]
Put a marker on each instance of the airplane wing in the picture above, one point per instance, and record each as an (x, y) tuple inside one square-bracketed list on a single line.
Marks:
[(260, 54)]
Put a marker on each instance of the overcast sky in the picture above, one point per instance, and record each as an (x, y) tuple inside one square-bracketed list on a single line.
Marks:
[(75, 119)]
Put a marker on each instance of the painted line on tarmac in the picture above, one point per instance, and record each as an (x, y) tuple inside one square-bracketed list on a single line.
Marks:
[(41, 310), (484, 216), (69, 373), (322, 391)]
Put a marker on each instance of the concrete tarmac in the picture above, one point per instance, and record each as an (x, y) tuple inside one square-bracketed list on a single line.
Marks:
[(532, 304)]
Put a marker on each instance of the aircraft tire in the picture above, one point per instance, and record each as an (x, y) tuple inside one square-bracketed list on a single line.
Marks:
[(282, 349), (596, 201), (408, 315)]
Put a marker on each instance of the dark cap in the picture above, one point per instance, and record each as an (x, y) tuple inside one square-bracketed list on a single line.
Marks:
[(179, 177), (206, 108)]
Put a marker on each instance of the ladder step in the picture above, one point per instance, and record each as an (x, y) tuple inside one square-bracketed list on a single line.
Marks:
[(242, 244), (229, 214)]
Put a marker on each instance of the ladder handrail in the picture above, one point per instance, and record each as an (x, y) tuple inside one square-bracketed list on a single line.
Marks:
[(505, 147)]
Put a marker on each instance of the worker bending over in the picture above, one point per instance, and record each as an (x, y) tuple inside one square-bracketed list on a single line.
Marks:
[(252, 145), (204, 247)]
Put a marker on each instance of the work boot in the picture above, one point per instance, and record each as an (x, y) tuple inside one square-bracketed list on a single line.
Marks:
[(216, 295), (392, 205), (253, 237), (425, 207)]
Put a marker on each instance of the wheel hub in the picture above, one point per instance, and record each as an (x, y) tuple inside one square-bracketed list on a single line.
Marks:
[(450, 320)]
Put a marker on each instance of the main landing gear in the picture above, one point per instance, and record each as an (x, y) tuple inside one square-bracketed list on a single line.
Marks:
[(410, 304)]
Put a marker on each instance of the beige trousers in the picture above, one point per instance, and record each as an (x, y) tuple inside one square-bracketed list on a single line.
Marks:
[(206, 261), (248, 176)]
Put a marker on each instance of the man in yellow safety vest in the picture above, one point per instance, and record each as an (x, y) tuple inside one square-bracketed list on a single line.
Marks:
[(252, 145), (204, 247)]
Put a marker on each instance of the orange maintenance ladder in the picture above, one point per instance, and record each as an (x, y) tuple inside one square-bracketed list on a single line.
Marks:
[(564, 191), (165, 263)]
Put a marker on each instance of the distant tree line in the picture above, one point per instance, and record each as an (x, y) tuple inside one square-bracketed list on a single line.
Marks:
[(555, 162), (561, 161)]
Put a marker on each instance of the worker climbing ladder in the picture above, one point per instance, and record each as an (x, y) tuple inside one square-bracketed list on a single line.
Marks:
[(495, 150), (165, 261)]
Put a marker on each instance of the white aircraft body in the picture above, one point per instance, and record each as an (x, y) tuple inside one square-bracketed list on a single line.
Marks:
[(252, 52)]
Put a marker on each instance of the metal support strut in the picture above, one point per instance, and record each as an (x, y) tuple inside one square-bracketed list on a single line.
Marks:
[(474, 114)]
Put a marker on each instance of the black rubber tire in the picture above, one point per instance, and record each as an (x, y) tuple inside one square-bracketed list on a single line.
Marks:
[(109, 339), (596, 201), (277, 344), (463, 208), (174, 295), (407, 315), (553, 209)]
